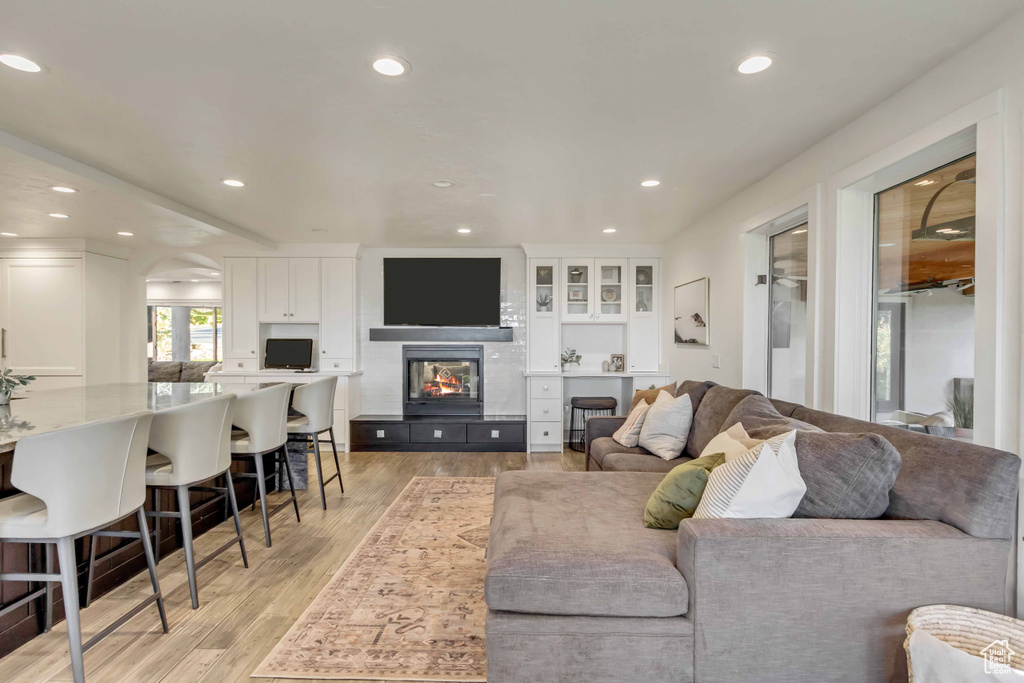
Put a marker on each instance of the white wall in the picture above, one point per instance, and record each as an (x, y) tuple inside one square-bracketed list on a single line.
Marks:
[(206, 292), (939, 347), (504, 362)]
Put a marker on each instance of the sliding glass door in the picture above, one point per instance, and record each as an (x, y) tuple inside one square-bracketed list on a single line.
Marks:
[(787, 308), (924, 302)]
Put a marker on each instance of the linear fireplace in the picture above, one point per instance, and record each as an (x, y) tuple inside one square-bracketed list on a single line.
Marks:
[(443, 380)]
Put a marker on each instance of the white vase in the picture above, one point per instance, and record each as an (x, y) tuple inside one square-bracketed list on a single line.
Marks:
[(5, 398)]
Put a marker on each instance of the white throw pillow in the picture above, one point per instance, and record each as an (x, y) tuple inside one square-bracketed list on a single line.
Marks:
[(629, 433), (667, 425), (764, 483), (733, 442)]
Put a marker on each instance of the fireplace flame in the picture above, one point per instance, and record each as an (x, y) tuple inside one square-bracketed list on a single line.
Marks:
[(444, 383)]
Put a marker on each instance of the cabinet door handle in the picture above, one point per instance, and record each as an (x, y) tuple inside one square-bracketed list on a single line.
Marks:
[(291, 314), (546, 411)]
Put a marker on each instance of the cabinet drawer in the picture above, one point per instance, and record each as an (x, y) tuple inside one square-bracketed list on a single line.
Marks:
[(546, 432), (437, 433), (546, 388), (511, 433), (545, 409), (240, 365), (371, 432), (337, 364)]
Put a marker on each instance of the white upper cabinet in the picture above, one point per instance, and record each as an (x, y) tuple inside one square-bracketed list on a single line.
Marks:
[(577, 287), (543, 324), (644, 303), (304, 290), (241, 318), (338, 313), (610, 289), (42, 316)]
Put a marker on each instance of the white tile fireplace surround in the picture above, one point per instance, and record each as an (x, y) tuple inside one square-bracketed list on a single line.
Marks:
[(504, 362)]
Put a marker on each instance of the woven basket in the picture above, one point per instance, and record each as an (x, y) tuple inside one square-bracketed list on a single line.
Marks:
[(967, 629)]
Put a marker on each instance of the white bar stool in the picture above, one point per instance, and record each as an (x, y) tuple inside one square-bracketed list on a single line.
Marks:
[(76, 482), (193, 445), (316, 403), (263, 414)]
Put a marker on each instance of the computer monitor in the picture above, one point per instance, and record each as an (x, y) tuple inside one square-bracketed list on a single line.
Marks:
[(289, 354)]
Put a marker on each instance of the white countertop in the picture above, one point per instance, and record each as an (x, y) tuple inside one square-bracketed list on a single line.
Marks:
[(598, 374), (284, 374)]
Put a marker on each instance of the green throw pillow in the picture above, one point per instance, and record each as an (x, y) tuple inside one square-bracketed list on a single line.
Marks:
[(678, 494)]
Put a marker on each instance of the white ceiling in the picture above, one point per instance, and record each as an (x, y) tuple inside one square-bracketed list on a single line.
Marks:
[(545, 115)]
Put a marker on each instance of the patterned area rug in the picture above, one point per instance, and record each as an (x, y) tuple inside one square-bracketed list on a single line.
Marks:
[(408, 604)]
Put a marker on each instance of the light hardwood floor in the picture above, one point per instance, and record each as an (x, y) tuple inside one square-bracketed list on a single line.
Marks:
[(244, 612)]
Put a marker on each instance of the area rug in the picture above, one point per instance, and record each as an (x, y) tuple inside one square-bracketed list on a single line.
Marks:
[(408, 604)]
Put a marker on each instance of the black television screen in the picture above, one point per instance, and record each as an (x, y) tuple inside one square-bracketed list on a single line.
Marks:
[(291, 354), (457, 292)]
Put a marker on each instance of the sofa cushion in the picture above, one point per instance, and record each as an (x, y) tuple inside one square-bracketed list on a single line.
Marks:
[(709, 416), (164, 371), (848, 476), (761, 420), (651, 395), (195, 371), (574, 543), (602, 446), (639, 462)]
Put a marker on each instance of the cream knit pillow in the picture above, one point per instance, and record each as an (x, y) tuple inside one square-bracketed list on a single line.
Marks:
[(629, 433)]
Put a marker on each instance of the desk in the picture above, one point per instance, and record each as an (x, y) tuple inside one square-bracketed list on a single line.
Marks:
[(549, 393)]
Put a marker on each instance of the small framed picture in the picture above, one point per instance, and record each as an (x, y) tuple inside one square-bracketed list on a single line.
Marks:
[(575, 295), (618, 363)]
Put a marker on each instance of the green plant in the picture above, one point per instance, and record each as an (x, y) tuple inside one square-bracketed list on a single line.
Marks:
[(961, 405), (9, 381), (570, 356)]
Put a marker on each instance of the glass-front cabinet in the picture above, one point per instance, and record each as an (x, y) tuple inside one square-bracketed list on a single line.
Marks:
[(610, 291), (577, 278), (543, 325), (644, 304)]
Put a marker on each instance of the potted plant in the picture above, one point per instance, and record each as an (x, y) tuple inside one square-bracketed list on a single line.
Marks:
[(9, 382), (570, 357), (960, 402)]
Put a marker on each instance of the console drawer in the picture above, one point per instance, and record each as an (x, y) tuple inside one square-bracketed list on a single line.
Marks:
[(546, 388), (546, 432), (496, 433), (437, 433), (379, 432), (545, 409)]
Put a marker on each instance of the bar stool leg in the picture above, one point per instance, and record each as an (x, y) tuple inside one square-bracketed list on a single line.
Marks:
[(291, 480), (238, 522), (69, 584), (151, 563), (185, 509), (92, 568), (319, 471), (334, 449), (48, 617), (156, 525), (261, 486)]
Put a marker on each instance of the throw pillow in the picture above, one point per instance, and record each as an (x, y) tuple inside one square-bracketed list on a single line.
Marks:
[(666, 426), (848, 476), (678, 494), (629, 433), (764, 483), (732, 443), (651, 395), (762, 420)]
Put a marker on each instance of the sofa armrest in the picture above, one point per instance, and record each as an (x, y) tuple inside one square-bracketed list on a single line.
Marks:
[(601, 425), (824, 599)]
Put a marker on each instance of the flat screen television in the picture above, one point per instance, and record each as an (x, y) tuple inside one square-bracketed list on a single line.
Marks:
[(453, 292), (289, 354)]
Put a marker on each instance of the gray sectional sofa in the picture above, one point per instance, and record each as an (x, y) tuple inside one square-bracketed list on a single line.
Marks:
[(578, 589)]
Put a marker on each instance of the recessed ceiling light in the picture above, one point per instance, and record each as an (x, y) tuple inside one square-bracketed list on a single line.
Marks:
[(390, 66), (20, 63), (231, 182), (650, 183), (214, 273), (465, 231), (193, 280), (925, 182), (9, 234), (799, 232), (608, 230), (755, 64), (125, 233), (58, 215), (61, 188), (488, 194), (443, 184), (887, 244)]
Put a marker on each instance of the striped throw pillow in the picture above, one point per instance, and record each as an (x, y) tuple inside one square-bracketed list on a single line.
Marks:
[(764, 483), (629, 433)]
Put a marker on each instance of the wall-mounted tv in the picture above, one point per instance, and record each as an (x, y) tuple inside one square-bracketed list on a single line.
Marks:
[(454, 292)]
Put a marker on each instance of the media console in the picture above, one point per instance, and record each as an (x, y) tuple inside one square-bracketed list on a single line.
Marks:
[(437, 433)]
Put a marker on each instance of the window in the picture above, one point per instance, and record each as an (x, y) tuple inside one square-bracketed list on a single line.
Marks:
[(184, 333), (787, 310), (924, 302)]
